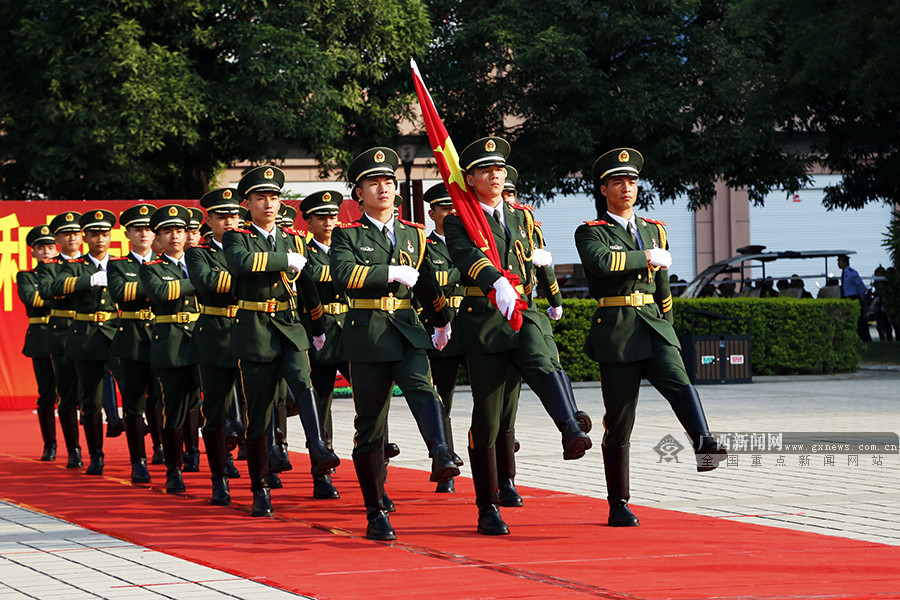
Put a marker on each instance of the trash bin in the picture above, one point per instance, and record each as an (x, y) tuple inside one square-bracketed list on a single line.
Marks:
[(722, 358)]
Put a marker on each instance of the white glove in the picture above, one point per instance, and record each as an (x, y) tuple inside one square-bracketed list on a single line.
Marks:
[(541, 258), (403, 274), (660, 258), (440, 337), (506, 297), (98, 279), (555, 312), (319, 341), (296, 261)]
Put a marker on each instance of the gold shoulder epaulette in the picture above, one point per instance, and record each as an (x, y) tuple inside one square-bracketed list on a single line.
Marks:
[(654, 221), (411, 223), (155, 262), (350, 225), (523, 206), (597, 222)]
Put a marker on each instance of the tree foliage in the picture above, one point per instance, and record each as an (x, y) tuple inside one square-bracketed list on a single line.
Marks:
[(149, 98)]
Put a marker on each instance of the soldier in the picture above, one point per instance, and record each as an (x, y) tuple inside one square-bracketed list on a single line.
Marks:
[(286, 216), (194, 235), (67, 235), (267, 338), (175, 310), (444, 363), (626, 261), (132, 342), (212, 335), (192, 422), (491, 344), (376, 260), (43, 247), (320, 211), (96, 322)]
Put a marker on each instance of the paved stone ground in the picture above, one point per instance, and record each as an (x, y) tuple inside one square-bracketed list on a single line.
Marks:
[(42, 557)]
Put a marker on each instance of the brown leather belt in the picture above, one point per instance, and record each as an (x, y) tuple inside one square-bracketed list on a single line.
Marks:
[(145, 314), (220, 311), (635, 299), (269, 306), (66, 314), (386, 303), (476, 291), (179, 317), (38, 320), (96, 317)]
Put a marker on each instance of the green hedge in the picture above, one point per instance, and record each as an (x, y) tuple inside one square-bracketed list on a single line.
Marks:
[(789, 336)]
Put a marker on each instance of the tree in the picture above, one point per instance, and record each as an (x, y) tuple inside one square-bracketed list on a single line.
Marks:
[(149, 99), (566, 81)]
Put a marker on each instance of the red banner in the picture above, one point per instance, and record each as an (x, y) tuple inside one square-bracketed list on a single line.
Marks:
[(18, 389)]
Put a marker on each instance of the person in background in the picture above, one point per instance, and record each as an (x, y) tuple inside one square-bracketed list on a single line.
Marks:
[(853, 288)]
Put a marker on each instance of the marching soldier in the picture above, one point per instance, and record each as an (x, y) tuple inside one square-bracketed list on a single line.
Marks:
[(175, 310), (491, 344), (268, 338), (212, 335), (376, 260), (43, 247), (132, 342), (194, 235), (67, 235), (320, 211), (626, 261), (96, 323), (444, 363), (192, 422)]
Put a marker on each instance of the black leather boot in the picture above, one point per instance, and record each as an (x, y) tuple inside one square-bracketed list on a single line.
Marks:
[(278, 459), (214, 441), (68, 422), (484, 475), (134, 434), (173, 440), (258, 471), (230, 470), (192, 441), (370, 473), (689, 411), (391, 449), (93, 435), (555, 398), (274, 481), (321, 459), (507, 495), (154, 422), (446, 486), (323, 489), (616, 468), (430, 419), (234, 426), (584, 419), (47, 421), (114, 424)]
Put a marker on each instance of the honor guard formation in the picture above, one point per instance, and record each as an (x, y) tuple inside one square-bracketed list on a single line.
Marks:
[(227, 321)]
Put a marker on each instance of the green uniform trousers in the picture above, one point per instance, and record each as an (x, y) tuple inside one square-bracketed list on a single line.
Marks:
[(66, 381), (488, 374), (322, 377), (621, 382), (179, 385), (90, 381), (217, 384), (135, 379), (260, 381), (46, 382), (372, 385)]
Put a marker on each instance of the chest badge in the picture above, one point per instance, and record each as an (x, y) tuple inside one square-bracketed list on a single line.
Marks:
[(616, 247), (367, 249), (409, 246), (521, 231)]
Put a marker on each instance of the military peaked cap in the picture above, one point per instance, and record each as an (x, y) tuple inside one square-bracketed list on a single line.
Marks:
[(137, 215), (223, 201), (171, 215), (437, 195), (326, 203), (261, 179), (97, 220), (67, 221), (512, 178), (39, 235), (486, 152), (617, 163), (375, 162)]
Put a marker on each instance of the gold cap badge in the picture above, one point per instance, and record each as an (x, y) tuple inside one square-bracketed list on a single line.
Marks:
[(98, 215), (173, 211), (490, 145), (623, 156), (226, 195), (143, 210), (269, 174), (326, 197), (70, 217), (379, 156), (45, 230)]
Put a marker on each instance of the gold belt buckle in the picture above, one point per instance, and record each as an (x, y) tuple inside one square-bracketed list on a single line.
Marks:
[(388, 303), (145, 314), (231, 310), (637, 299), (182, 317), (99, 317), (271, 305)]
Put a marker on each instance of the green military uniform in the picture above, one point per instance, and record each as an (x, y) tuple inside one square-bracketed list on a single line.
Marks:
[(208, 271), (175, 310), (131, 346), (95, 325), (62, 313), (491, 343), (267, 337), (383, 338), (631, 334), (325, 363), (37, 339)]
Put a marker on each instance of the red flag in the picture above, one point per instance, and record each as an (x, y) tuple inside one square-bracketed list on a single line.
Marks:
[(466, 204)]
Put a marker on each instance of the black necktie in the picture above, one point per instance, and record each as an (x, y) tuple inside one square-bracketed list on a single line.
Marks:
[(387, 238), (631, 232), (183, 268), (501, 223), (271, 239)]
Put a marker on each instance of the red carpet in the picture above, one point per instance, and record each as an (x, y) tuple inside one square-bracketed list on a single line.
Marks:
[(558, 547)]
